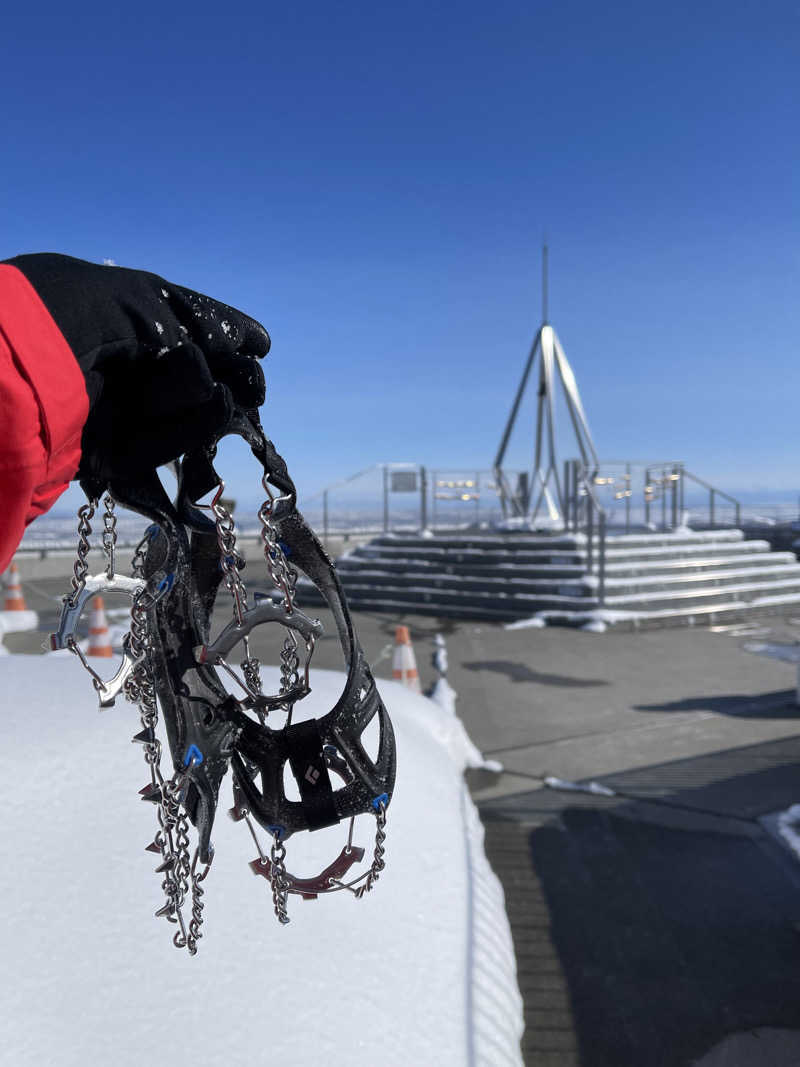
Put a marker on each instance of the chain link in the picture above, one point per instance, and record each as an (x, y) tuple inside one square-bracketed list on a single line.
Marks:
[(109, 534), (283, 576), (280, 882), (378, 862), (172, 837), (198, 892), (81, 567), (231, 562)]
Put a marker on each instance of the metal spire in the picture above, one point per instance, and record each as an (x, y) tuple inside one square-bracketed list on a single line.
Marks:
[(544, 283), (542, 485)]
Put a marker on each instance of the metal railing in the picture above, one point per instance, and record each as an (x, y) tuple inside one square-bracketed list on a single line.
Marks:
[(663, 496), (404, 496), (713, 495)]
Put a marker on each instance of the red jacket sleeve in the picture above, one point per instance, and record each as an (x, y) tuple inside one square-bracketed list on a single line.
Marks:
[(43, 406)]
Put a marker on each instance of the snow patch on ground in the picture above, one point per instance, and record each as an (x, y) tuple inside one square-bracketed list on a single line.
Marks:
[(786, 653), (788, 826), (420, 971), (535, 623), (15, 622)]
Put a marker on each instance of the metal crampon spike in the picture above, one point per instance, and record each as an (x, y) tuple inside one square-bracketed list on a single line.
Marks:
[(151, 792)]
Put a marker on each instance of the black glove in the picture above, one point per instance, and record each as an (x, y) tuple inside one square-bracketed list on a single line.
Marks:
[(163, 365)]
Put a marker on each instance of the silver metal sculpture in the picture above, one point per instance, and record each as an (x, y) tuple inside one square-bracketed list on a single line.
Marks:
[(543, 489)]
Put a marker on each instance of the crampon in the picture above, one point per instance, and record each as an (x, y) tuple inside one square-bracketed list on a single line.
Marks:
[(173, 670)]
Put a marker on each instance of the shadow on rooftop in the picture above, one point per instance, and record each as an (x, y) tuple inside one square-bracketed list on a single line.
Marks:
[(674, 917), (778, 705), (520, 672)]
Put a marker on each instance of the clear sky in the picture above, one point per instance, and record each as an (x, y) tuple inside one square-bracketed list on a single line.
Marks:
[(373, 182)]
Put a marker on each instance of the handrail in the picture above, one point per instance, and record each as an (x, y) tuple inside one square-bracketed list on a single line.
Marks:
[(713, 489), (584, 477)]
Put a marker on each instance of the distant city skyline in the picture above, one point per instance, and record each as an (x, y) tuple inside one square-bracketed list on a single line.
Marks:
[(374, 184)]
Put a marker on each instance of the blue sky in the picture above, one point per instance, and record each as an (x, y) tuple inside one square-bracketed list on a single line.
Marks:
[(373, 183)]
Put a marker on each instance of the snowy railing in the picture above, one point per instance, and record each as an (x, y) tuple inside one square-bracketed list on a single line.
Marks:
[(404, 497), (652, 494)]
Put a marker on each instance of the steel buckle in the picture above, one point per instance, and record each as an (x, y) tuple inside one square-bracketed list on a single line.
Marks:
[(71, 611)]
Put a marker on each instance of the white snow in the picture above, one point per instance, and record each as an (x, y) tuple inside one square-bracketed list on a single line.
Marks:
[(564, 785), (421, 971), (15, 622), (451, 733), (788, 826), (534, 623)]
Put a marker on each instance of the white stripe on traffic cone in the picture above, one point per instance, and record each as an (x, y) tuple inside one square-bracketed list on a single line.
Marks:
[(14, 600), (99, 635), (404, 663)]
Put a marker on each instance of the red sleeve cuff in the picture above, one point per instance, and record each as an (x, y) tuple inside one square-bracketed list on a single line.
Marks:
[(43, 406)]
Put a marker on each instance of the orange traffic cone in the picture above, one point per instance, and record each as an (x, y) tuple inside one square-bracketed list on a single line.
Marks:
[(14, 600), (99, 636), (404, 663)]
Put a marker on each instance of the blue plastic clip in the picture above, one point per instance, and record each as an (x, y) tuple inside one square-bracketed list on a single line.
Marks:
[(277, 832), (152, 531), (193, 756), (382, 799), (166, 583), (285, 548)]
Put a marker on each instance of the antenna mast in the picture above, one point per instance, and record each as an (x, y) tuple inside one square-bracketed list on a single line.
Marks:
[(542, 487), (544, 283)]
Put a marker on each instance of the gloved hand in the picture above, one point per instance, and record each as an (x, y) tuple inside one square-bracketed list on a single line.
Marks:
[(163, 365)]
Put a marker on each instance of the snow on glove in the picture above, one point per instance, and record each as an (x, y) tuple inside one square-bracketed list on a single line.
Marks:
[(163, 365)]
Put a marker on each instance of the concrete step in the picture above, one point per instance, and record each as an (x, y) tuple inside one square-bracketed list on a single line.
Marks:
[(518, 604), (709, 578), (576, 556), (722, 611), (514, 582), (709, 615), (508, 603), (557, 542), (744, 592), (513, 576), (505, 571)]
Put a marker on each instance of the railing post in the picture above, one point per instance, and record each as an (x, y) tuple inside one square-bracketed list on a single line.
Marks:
[(711, 514), (325, 514), (576, 495), (601, 567), (589, 532), (627, 498), (663, 480), (738, 514), (682, 495), (674, 481), (566, 494), (385, 498), (423, 499), (647, 497)]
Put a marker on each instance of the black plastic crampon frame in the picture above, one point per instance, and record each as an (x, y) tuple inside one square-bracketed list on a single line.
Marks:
[(207, 727)]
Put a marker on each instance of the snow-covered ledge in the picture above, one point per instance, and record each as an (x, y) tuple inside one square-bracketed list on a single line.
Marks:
[(421, 971)]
